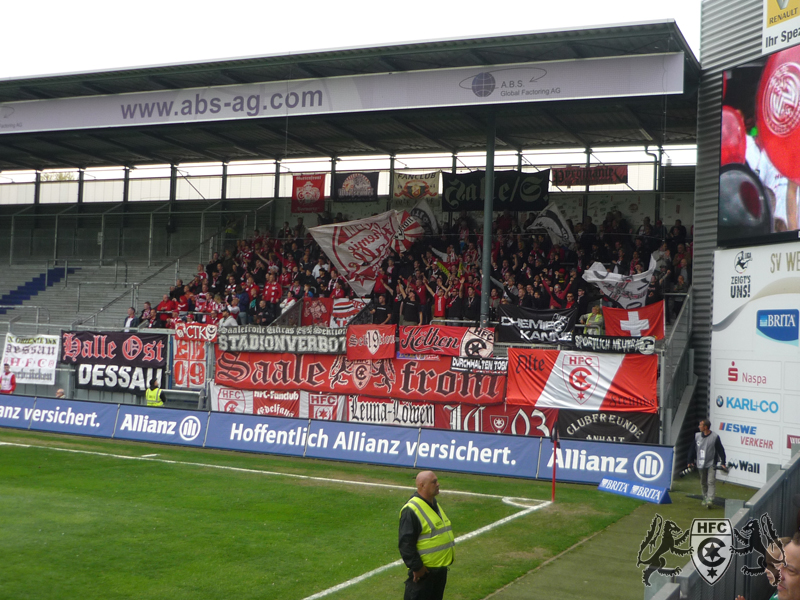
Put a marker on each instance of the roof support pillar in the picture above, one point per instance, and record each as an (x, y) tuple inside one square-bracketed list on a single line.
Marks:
[(391, 182), (488, 207), (588, 152), (37, 188), (81, 179)]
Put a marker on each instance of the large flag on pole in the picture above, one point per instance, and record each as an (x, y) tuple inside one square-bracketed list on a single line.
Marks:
[(553, 221), (423, 213), (357, 248), (629, 290)]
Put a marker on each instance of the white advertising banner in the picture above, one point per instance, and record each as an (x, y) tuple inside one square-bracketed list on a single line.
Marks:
[(781, 25), (32, 359), (619, 76), (755, 357)]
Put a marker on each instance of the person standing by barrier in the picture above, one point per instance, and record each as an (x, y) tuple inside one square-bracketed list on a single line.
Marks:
[(425, 541), (705, 452), (153, 394), (8, 381)]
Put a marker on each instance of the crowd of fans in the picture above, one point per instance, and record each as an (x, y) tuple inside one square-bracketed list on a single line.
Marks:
[(438, 279)]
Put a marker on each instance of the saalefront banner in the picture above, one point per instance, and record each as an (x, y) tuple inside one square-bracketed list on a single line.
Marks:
[(519, 324), (391, 378), (370, 342), (122, 362), (357, 248), (582, 381), (467, 342)]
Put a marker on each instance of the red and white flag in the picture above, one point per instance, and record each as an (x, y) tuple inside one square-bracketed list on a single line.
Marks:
[(344, 310), (635, 322), (308, 193), (581, 381), (370, 342), (357, 248)]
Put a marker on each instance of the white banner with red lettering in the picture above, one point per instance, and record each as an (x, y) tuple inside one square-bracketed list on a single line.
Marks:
[(357, 248), (276, 403), (581, 381), (635, 322)]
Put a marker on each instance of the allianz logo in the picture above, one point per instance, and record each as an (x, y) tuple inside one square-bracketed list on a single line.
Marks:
[(188, 430), (647, 465)]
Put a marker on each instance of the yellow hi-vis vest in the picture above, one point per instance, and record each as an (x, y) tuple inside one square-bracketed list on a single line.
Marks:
[(153, 397), (435, 543)]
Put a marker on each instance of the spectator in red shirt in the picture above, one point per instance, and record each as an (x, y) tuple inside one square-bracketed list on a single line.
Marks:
[(165, 308), (8, 381), (272, 296)]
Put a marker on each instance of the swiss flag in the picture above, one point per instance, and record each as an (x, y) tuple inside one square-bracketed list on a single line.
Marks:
[(635, 322)]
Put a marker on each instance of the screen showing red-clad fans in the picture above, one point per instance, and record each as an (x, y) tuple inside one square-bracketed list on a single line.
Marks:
[(760, 151)]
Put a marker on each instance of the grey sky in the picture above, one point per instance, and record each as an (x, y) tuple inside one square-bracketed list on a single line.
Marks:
[(49, 37)]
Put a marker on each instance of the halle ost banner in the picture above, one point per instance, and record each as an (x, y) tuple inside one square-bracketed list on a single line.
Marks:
[(444, 340), (582, 381), (402, 379), (118, 361)]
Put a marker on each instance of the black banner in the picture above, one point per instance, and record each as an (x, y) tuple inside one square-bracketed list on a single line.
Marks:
[(117, 361), (518, 324), (513, 190), (641, 428), (355, 187), (294, 340), (615, 344)]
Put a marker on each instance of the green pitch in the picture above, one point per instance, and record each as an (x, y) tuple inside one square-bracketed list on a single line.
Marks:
[(91, 523)]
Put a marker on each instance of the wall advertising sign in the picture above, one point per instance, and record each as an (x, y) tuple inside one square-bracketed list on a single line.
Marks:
[(488, 454), (363, 443), (618, 76), (590, 462), (69, 416), (256, 434), (32, 359), (187, 428), (781, 25), (15, 411), (121, 362), (755, 359), (405, 446)]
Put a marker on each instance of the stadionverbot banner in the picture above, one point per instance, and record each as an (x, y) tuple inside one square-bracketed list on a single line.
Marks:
[(295, 340)]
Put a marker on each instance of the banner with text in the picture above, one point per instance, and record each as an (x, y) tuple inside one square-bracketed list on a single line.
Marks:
[(444, 340), (520, 324), (295, 340), (599, 175), (581, 381), (308, 193), (513, 190), (615, 344), (32, 359), (370, 342), (355, 187), (415, 186), (118, 361), (608, 426), (390, 378)]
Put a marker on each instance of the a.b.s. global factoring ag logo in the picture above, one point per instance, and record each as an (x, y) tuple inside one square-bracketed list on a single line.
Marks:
[(512, 83), (779, 325)]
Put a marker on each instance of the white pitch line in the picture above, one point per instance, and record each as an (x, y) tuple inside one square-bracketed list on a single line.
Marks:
[(257, 471), (458, 540), (513, 501)]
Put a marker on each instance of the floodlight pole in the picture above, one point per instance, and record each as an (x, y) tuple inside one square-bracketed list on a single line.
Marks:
[(488, 201)]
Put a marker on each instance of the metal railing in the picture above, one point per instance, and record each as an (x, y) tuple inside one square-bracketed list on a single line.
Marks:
[(15, 319)]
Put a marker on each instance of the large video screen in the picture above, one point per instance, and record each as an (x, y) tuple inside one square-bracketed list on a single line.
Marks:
[(760, 151)]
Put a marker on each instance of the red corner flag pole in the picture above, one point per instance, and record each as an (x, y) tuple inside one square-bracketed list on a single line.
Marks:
[(554, 437)]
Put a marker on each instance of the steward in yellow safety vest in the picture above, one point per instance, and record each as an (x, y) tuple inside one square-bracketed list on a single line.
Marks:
[(153, 395), (425, 540)]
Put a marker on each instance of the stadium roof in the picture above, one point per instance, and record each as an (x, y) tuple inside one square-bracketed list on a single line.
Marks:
[(630, 121)]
